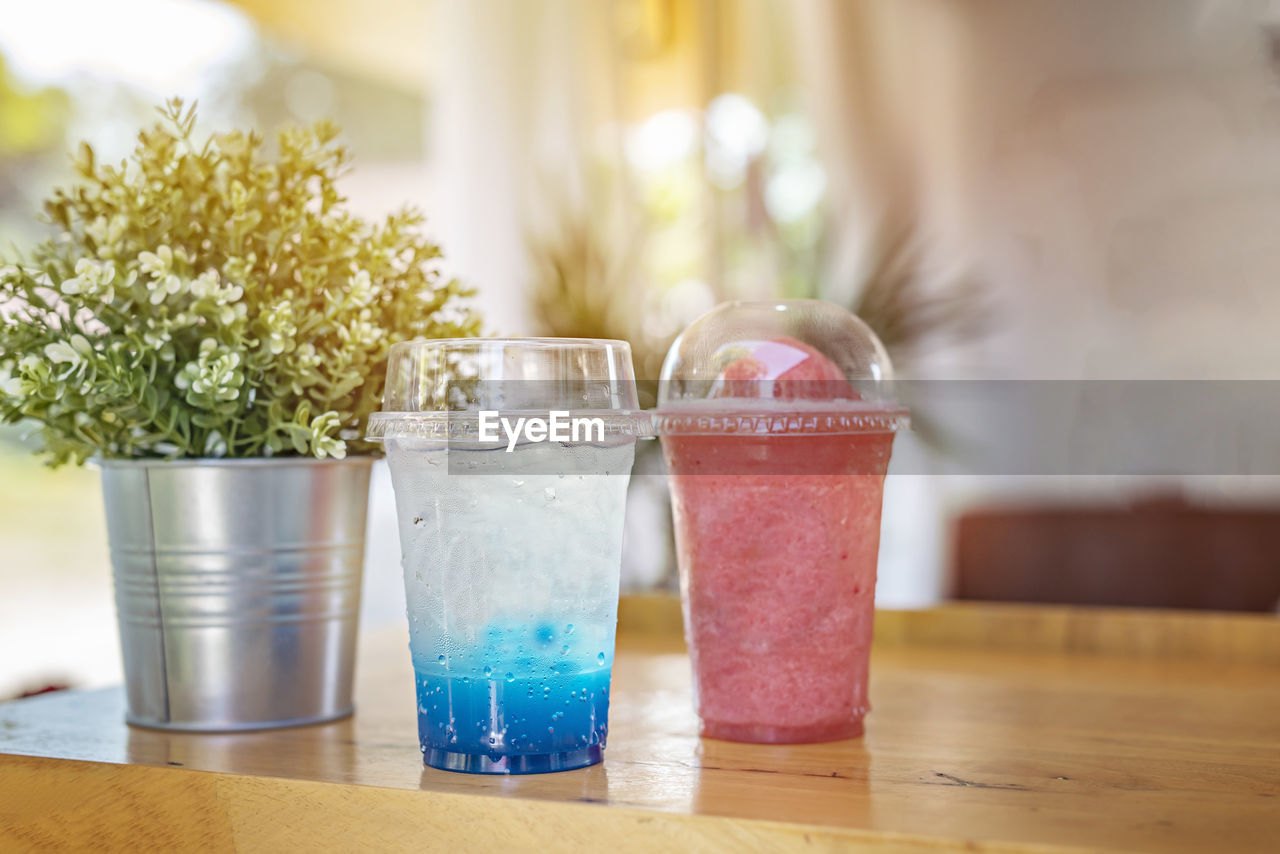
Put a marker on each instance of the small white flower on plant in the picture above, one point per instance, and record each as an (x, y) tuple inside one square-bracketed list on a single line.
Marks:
[(215, 445), (281, 329), (156, 335), (162, 288), (239, 269), (32, 373), (159, 266), (322, 443), (225, 298), (10, 385), (360, 333), (71, 352), (361, 288), (214, 377), (306, 356), (304, 361), (92, 279), (156, 263), (206, 285), (106, 233)]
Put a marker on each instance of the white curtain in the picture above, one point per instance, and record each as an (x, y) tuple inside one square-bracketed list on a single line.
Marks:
[(888, 86), (517, 90)]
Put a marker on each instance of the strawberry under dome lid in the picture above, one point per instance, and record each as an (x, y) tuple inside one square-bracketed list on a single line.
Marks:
[(802, 366)]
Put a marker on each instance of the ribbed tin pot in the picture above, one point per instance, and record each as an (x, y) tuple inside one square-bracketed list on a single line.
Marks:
[(237, 588)]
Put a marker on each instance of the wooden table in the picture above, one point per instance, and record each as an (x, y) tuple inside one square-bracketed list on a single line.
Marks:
[(996, 728)]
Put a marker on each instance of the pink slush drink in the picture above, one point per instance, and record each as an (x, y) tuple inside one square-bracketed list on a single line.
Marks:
[(777, 536)]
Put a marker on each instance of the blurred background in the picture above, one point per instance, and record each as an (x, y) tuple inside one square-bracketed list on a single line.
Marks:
[(1004, 189)]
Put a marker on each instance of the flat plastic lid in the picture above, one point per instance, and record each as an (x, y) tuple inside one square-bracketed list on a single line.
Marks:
[(781, 367), (439, 389)]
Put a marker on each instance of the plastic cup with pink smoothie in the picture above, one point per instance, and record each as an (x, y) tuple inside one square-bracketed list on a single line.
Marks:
[(777, 421)]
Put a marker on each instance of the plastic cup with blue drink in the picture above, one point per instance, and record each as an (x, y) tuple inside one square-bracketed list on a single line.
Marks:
[(510, 460)]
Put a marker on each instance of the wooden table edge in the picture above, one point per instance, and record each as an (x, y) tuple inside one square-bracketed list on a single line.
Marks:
[(61, 803)]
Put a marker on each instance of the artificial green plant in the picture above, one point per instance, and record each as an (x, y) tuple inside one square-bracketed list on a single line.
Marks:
[(204, 299)]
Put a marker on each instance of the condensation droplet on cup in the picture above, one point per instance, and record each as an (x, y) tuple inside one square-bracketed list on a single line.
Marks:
[(488, 671), (440, 659), (564, 650), (549, 493), (511, 677), (600, 659), (568, 630)]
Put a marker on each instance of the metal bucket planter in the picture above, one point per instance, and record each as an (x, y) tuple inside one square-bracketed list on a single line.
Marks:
[(237, 588)]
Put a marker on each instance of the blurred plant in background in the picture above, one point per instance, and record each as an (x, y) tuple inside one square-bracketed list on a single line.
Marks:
[(692, 209), (633, 260), (909, 307), (915, 311), (586, 266)]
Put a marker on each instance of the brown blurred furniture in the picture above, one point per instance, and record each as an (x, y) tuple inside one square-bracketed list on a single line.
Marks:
[(1162, 553)]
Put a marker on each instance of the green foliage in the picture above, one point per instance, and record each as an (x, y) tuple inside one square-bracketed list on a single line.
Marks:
[(204, 300)]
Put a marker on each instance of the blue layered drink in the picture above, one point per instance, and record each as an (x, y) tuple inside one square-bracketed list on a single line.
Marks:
[(531, 709), (512, 541), (511, 577)]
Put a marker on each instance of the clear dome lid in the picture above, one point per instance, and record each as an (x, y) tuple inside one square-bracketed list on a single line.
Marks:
[(439, 388), (787, 366)]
